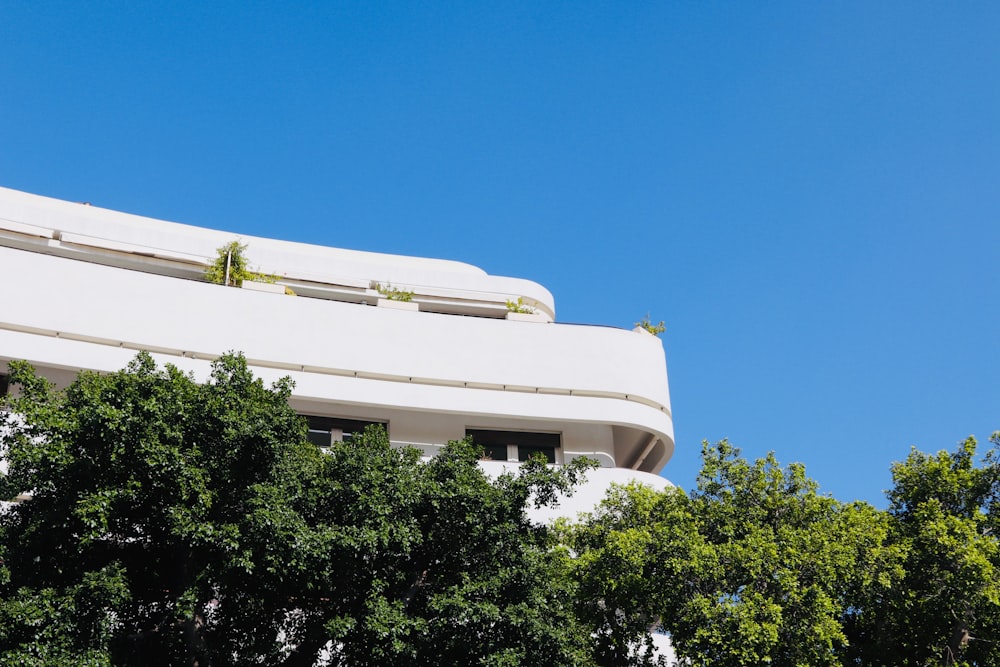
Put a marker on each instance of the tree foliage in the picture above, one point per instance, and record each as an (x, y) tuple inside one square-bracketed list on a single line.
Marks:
[(943, 605), (754, 567), (173, 523)]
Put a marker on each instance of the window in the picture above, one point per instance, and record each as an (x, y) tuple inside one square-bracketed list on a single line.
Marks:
[(515, 445), (4, 384), (324, 431)]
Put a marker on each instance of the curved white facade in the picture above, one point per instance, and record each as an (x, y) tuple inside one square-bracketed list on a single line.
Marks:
[(87, 287)]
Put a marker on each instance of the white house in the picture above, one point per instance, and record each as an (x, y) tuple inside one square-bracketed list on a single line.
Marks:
[(85, 288)]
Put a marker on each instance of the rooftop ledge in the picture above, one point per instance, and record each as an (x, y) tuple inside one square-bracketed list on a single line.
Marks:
[(102, 236)]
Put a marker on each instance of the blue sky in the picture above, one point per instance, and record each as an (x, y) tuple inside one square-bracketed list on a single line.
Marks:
[(807, 193)]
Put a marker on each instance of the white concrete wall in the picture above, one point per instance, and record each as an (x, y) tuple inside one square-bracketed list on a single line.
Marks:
[(102, 302), (587, 495), (66, 306), (361, 355), (105, 228)]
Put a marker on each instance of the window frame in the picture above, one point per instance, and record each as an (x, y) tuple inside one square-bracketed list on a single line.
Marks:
[(338, 429), (519, 445)]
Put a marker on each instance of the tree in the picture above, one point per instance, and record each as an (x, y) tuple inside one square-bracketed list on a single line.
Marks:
[(754, 567), (471, 581), (173, 522), (943, 605), (620, 555), (141, 483)]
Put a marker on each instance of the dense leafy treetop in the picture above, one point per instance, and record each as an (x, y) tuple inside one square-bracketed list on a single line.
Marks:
[(754, 567), (177, 523), (944, 607)]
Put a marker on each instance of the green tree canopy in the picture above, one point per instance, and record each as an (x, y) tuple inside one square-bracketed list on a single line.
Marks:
[(754, 567), (172, 522), (943, 605), (178, 523)]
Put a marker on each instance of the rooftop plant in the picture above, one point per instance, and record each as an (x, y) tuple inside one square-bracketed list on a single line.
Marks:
[(392, 293), (519, 306), (231, 267), (647, 324)]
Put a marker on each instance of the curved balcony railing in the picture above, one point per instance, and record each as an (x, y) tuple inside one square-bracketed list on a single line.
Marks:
[(326, 285)]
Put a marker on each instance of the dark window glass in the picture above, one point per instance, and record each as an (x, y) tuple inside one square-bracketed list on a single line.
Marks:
[(494, 443), (494, 452), (4, 384), (324, 431)]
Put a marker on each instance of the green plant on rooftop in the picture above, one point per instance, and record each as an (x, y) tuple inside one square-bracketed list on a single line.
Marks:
[(392, 293), (519, 306), (231, 267), (648, 325)]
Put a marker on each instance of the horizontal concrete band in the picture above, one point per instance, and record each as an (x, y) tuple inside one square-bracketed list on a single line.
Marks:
[(386, 377)]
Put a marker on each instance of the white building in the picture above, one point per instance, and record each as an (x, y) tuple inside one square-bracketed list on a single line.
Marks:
[(85, 288)]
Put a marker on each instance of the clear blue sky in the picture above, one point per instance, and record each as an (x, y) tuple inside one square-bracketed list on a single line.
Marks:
[(807, 193)]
